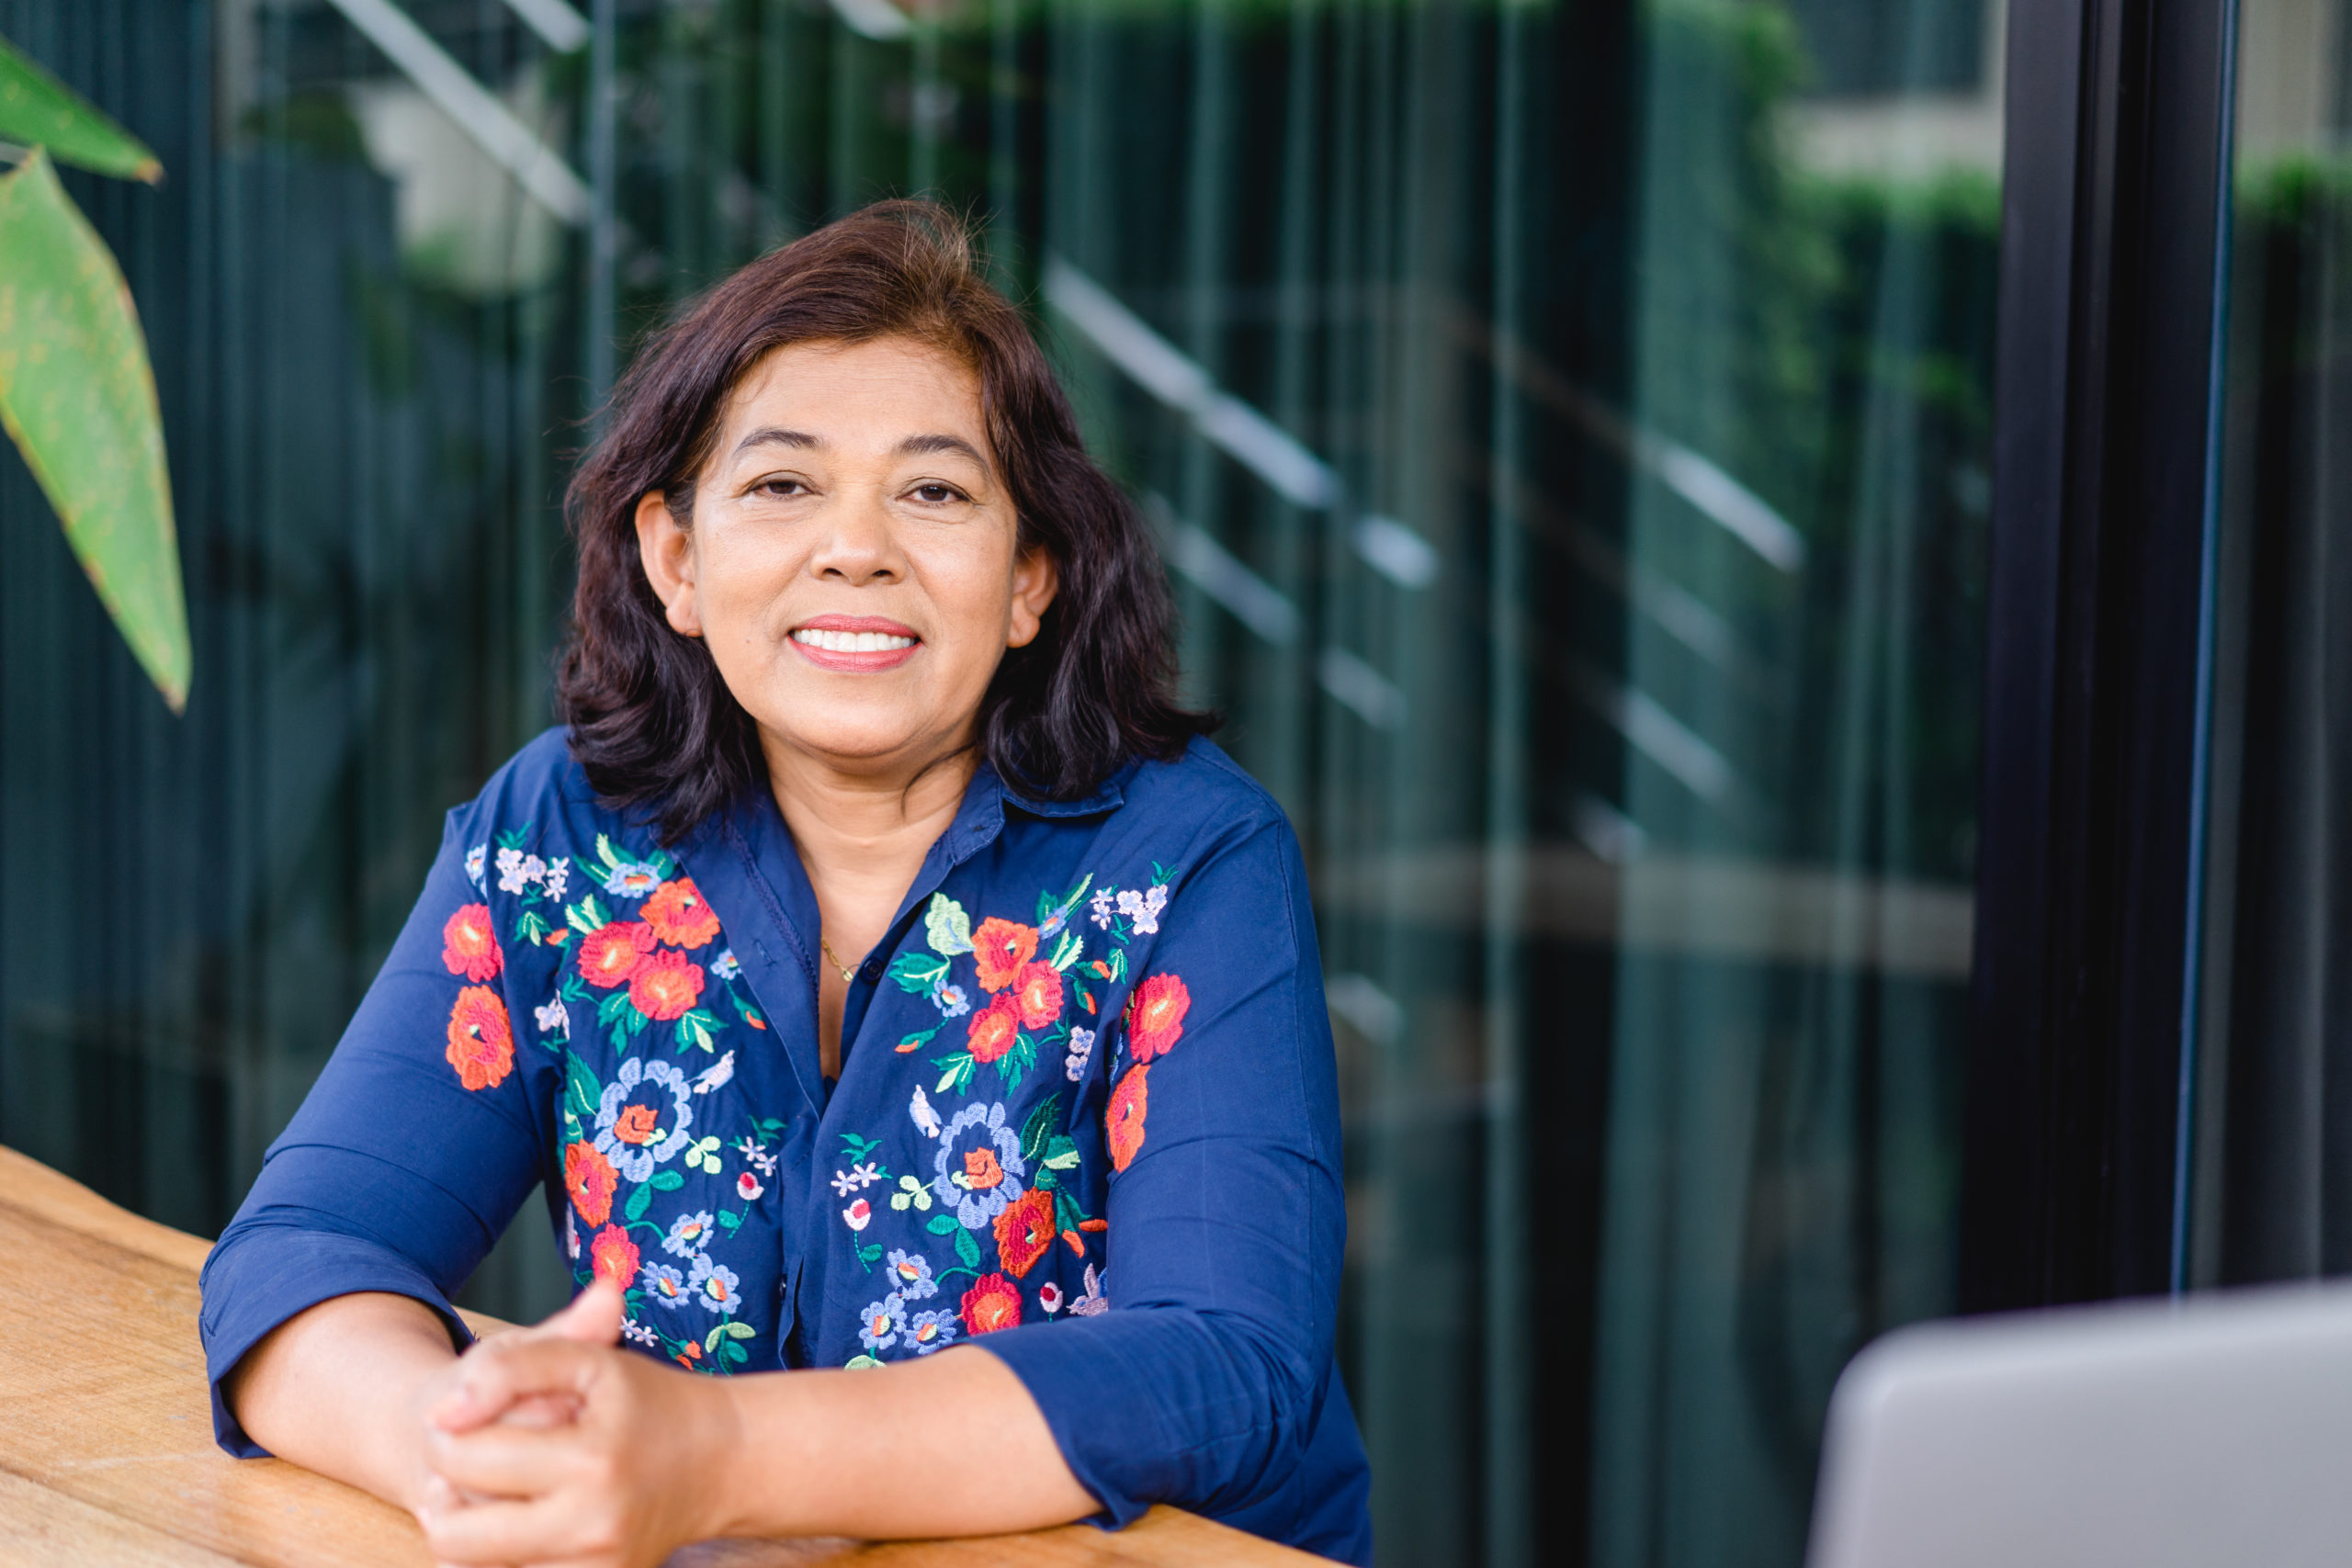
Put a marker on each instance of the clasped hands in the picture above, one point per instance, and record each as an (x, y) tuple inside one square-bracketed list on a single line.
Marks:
[(551, 1446)]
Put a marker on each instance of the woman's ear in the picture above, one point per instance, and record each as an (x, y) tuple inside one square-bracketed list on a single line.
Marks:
[(668, 552), (1035, 581)]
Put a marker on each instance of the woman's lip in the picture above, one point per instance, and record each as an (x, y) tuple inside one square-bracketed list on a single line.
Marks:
[(857, 663), (854, 624)]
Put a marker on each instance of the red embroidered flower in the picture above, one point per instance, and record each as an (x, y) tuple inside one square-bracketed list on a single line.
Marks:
[(637, 1125), (992, 1029), (666, 983), (590, 1178), (981, 1171), (1000, 948), (482, 1042), (610, 956), (993, 1304), (614, 1255), (1024, 1231), (469, 944), (1123, 1122), (1156, 1016), (676, 912), (1037, 991)]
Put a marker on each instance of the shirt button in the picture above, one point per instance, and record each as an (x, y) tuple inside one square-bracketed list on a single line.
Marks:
[(870, 972)]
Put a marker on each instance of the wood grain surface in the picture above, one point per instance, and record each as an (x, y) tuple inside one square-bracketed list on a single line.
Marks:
[(107, 1453)]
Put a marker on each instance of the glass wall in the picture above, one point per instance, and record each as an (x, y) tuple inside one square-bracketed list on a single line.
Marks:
[(1568, 426), (2274, 1102)]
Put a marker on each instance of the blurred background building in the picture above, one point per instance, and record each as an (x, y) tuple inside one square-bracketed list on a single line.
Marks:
[(1570, 427)]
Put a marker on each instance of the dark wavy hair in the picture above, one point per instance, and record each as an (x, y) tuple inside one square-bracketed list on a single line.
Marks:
[(652, 724)]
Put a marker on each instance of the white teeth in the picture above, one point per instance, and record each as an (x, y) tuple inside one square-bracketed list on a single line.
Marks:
[(851, 642)]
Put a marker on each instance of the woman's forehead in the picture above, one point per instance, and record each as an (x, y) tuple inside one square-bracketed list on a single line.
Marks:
[(882, 393)]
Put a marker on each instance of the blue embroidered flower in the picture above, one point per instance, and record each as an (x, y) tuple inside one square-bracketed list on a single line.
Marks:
[(950, 1001), (910, 1273), (881, 1322), (927, 1331), (716, 1287), (629, 880), (475, 859), (687, 1235), (727, 967), (664, 1284), (629, 1130), (979, 1166), (1082, 1047)]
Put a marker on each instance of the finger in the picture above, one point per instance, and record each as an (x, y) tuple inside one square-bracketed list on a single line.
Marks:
[(487, 1385), (593, 1317), (510, 1462), (490, 1535)]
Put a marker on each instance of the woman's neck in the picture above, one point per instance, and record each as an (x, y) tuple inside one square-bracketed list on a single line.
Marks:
[(862, 837)]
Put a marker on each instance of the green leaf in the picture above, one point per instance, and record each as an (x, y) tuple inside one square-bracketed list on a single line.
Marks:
[(735, 1330), (1061, 1153), (920, 1038), (666, 1182), (854, 1147), (77, 396), (939, 1224), (580, 1082), (728, 1220), (39, 110), (1046, 1182), (916, 972), (1039, 1128), (868, 1254), (730, 1351), (1068, 950), (638, 1202), (710, 1341), (967, 1249), (947, 928)]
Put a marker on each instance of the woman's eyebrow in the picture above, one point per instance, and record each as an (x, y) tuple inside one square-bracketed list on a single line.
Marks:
[(915, 445), (770, 436)]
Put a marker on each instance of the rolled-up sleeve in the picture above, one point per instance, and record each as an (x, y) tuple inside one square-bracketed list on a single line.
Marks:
[(411, 1154), (1206, 1381)]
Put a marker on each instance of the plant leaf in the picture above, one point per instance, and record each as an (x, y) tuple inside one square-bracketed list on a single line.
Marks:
[(77, 396), (39, 110), (967, 1249)]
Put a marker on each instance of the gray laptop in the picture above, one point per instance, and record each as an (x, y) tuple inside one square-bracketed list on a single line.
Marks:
[(2217, 1431)]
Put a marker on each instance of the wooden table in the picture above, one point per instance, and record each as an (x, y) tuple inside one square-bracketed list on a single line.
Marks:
[(106, 1433)]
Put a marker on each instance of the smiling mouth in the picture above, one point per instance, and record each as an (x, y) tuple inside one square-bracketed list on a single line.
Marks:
[(851, 642)]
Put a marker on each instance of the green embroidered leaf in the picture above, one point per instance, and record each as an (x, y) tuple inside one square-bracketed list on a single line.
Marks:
[(859, 1364), (532, 927), (1067, 1213), (854, 1148), (77, 394), (916, 972), (580, 1083), (39, 110), (710, 1341), (615, 1004), (1067, 951), (666, 1182), (1014, 1064), (868, 1254), (605, 853), (1046, 1182), (919, 1038), (1085, 997), (734, 1330), (1158, 874), (638, 1202), (946, 927), (662, 865), (729, 1220), (1061, 1153), (733, 1353), (958, 1076), (587, 917), (1039, 1128), (939, 1224), (967, 1249)]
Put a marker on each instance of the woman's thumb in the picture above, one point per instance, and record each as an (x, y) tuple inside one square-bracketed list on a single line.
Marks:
[(592, 1318)]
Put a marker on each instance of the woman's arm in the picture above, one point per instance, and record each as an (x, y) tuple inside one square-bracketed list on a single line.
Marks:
[(952, 1445), (342, 1389)]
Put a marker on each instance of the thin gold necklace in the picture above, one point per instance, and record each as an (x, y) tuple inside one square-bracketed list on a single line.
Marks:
[(849, 971)]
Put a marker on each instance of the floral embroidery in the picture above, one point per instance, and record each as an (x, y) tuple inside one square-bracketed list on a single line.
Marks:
[(977, 1147), (665, 1285), (476, 857), (611, 955), (1082, 1047), (1000, 948), (1124, 1119), (1143, 908), (1049, 1296), (1156, 1016), (1037, 992), (666, 985), (858, 1215), (747, 1186), (992, 1304), (678, 915), (1093, 1302), (469, 944), (911, 1273), (1025, 1231), (950, 999), (884, 1319), (945, 926), (628, 1129), (615, 1256), (993, 1032), (553, 1020), (590, 1178), (727, 967), (714, 1285), (927, 1331), (482, 1045), (687, 1234)]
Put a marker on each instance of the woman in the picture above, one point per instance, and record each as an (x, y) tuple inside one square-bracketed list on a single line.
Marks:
[(882, 976)]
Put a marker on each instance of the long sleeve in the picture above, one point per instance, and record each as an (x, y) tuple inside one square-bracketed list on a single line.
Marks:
[(414, 1150), (1207, 1382)]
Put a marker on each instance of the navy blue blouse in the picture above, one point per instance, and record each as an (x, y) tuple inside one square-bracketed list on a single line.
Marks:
[(1085, 1117)]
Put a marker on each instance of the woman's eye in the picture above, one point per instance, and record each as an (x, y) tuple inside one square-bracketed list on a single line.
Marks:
[(782, 487), (937, 495)]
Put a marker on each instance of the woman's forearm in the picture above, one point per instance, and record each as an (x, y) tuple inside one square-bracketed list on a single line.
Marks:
[(951, 1444), (339, 1389)]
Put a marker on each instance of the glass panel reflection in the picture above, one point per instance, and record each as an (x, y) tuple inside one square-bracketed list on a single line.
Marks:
[(1568, 428)]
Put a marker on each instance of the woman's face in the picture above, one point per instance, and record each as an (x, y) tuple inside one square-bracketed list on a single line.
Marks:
[(850, 558)]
